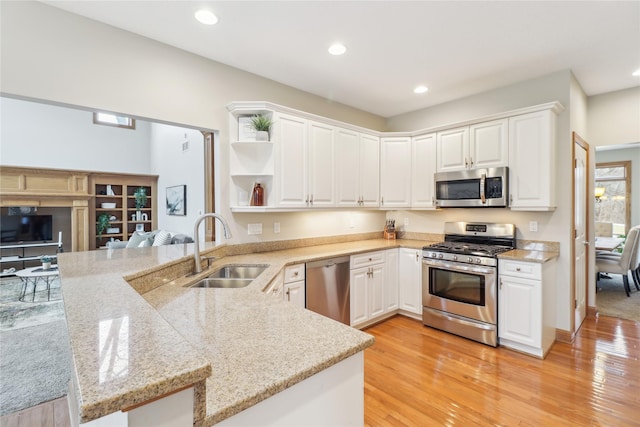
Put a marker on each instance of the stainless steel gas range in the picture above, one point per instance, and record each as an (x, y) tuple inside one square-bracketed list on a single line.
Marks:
[(460, 279)]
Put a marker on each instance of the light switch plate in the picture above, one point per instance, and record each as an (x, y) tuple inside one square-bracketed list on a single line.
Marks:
[(254, 229), (276, 227), (533, 226)]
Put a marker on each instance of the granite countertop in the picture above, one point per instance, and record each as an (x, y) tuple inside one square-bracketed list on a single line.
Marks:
[(529, 255), (246, 344)]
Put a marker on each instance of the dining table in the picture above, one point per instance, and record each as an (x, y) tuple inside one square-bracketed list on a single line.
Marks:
[(604, 243)]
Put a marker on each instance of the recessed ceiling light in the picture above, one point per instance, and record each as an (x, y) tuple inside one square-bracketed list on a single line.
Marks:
[(206, 17), (636, 73), (421, 89), (337, 49)]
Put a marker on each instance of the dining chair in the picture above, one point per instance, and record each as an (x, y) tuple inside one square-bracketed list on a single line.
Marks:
[(623, 263), (634, 268)]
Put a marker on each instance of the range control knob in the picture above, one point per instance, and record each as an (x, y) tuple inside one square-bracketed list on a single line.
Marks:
[(469, 259), (478, 260), (455, 257), (433, 254), (440, 256)]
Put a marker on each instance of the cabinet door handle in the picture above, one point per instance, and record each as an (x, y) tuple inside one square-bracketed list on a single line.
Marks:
[(466, 163), (417, 256), (471, 161), (517, 268), (288, 295), (382, 200), (311, 199), (500, 283)]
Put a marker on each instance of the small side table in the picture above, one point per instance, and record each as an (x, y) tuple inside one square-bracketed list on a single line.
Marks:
[(34, 275)]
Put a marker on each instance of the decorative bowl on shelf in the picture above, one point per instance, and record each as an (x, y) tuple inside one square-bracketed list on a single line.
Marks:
[(107, 205)]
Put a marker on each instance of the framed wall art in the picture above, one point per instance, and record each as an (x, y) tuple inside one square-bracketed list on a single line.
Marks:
[(177, 200)]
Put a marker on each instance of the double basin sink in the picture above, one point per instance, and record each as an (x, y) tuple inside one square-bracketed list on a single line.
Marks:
[(231, 276)]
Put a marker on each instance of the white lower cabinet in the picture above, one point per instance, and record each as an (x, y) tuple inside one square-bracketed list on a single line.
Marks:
[(410, 282), (294, 285), (526, 306), (391, 280), (367, 287)]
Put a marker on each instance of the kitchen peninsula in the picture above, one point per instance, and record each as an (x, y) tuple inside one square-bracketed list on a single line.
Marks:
[(142, 340)]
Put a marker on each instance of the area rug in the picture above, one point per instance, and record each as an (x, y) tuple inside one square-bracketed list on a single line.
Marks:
[(35, 358), (611, 300), (17, 314)]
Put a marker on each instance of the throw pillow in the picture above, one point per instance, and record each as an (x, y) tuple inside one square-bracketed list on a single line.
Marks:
[(145, 243), (137, 238), (162, 238)]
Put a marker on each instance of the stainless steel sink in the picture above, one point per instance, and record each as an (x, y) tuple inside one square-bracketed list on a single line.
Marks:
[(222, 283), (239, 271), (231, 276)]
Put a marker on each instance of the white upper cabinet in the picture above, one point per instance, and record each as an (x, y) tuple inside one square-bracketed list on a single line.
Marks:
[(395, 176), (532, 161), (423, 166), (483, 145), (357, 164), (453, 149), (489, 144), (291, 135), (321, 165)]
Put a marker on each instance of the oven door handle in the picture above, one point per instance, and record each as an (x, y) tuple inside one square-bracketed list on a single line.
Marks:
[(463, 268), (483, 181), (459, 319)]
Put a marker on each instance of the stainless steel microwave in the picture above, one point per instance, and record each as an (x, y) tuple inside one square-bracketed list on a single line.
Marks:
[(474, 188)]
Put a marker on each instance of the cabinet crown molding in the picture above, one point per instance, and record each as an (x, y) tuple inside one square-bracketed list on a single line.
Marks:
[(256, 107)]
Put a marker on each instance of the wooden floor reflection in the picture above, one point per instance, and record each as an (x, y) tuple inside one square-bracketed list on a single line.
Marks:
[(418, 376)]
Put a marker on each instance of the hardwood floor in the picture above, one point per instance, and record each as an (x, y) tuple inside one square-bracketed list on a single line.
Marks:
[(49, 414), (418, 376)]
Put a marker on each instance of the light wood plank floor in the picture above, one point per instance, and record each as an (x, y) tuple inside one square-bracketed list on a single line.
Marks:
[(418, 376), (49, 414)]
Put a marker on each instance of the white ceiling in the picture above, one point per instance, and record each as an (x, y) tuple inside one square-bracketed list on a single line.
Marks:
[(455, 48)]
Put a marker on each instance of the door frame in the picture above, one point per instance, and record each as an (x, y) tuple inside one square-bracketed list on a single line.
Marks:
[(576, 139)]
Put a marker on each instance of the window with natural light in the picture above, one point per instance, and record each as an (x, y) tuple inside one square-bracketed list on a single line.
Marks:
[(114, 120), (613, 195)]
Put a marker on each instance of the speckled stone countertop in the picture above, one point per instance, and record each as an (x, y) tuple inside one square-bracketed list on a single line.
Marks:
[(533, 251), (246, 344), (529, 256)]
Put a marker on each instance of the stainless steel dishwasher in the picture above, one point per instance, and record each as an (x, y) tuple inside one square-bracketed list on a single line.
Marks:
[(327, 288)]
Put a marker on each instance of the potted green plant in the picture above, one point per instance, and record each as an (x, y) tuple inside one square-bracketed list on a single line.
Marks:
[(141, 200), (262, 125), (103, 223), (46, 262)]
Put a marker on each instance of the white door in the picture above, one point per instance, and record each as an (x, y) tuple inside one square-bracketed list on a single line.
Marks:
[(369, 170), (321, 166), (423, 166), (295, 293), (453, 150), (580, 231), (489, 144), (375, 290), (358, 295), (395, 176), (292, 170), (347, 167)]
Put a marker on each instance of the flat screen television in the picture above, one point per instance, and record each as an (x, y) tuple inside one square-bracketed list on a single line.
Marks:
[(26, 228)]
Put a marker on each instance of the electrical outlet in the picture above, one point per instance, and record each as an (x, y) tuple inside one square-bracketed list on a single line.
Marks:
[(533, 226), (276, 227), (406, 222), (254, 229)]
